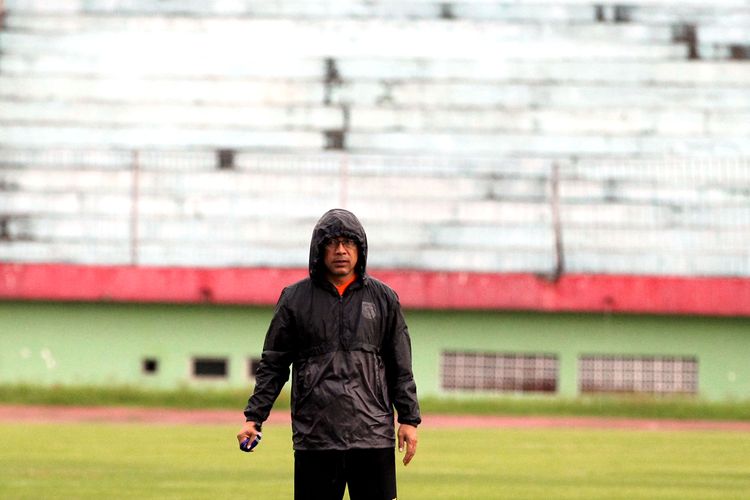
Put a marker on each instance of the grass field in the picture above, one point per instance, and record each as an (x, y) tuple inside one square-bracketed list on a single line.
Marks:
[(84, 461), (601, 406)]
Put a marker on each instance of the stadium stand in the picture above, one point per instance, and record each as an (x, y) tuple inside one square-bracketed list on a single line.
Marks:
[(463, 133)]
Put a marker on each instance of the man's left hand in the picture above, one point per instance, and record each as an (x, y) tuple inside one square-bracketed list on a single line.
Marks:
[(407, 434)]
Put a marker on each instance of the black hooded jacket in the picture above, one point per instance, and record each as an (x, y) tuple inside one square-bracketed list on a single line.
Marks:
[(350, 354)]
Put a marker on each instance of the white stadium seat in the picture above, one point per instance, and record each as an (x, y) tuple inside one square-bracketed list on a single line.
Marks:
[(187, 132)]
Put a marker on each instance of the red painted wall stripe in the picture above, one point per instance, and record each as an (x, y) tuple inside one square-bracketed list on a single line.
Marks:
[(417, 289)]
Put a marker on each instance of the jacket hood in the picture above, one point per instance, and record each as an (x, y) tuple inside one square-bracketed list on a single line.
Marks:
[(337, 222)]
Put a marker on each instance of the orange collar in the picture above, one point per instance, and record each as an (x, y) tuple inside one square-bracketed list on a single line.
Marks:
[(342, 287)]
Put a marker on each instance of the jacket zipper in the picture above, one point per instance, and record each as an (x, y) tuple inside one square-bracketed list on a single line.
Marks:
[(341, 320)]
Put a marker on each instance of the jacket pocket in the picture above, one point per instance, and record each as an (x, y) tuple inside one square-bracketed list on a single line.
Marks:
[(301, 383), (382, 384), (310, 383)]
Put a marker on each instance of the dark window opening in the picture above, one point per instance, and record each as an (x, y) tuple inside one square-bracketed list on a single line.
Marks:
[(210, 367), (150, 366), (252, 366)]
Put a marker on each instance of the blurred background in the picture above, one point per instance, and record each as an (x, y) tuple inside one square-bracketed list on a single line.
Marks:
[(558, 191)]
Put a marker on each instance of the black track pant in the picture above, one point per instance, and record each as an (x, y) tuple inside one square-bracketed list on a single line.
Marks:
[(322, 475)]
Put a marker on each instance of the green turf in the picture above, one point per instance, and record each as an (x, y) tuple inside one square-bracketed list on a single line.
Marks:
[(156, 461), (640, 407), (129, 396)]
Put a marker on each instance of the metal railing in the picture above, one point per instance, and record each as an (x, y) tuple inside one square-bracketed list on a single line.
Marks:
[(237, 208)]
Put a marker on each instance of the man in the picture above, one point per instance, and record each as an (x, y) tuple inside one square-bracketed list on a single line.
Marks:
[(345, 337)]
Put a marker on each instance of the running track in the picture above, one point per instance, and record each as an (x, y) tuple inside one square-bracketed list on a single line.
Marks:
[(60, 414)]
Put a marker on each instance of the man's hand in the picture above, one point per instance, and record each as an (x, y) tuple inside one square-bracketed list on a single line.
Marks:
[(407, 434), (248, 431)]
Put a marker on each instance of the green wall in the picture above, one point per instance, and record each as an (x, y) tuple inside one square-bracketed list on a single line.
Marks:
[(722, 345), (105, 343), (75, 343)]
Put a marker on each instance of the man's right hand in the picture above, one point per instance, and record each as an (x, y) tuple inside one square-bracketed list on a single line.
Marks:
[(248, 431)]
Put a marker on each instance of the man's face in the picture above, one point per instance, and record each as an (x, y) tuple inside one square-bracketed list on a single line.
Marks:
[(340, 257)]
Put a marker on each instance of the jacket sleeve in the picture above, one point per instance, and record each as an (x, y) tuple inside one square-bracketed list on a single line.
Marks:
[(397, 357), (273, 370)]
